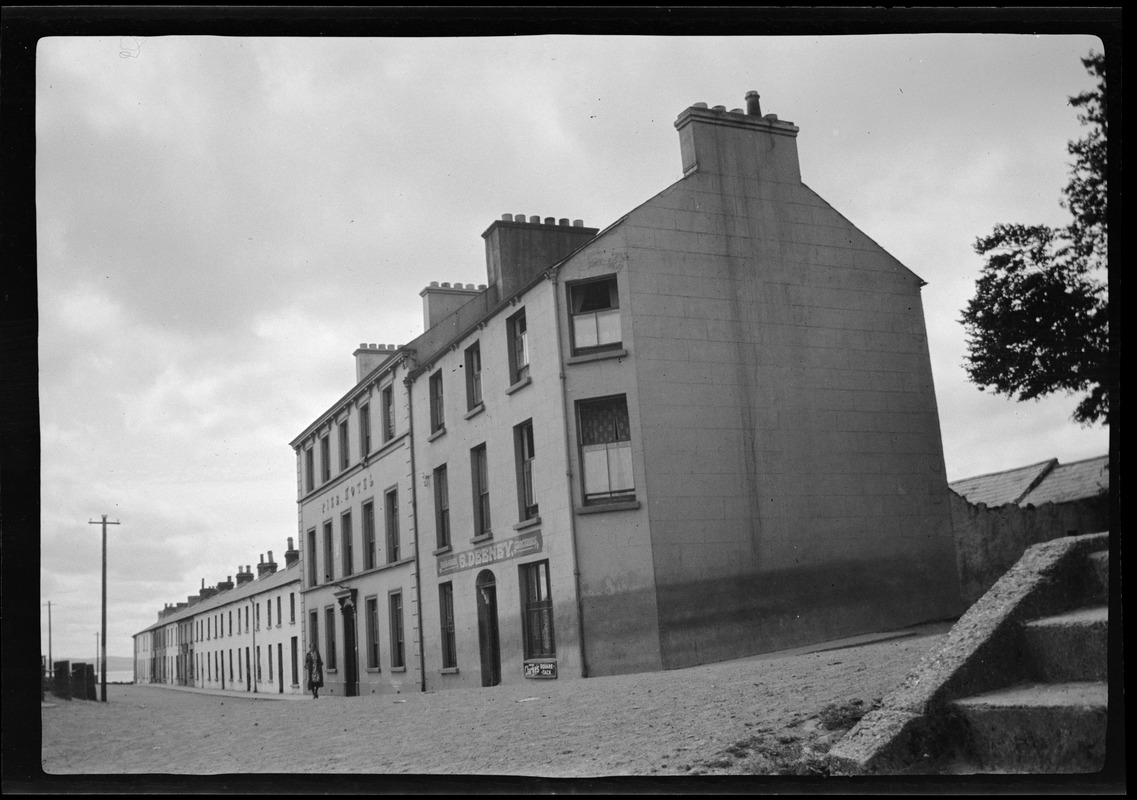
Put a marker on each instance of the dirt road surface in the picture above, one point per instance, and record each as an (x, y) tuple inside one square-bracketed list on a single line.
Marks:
[(764, 715)]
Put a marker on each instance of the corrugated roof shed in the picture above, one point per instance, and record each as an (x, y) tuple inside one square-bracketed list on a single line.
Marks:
[(1044, 482)]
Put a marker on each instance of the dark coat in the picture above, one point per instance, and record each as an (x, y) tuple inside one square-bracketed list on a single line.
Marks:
[(314, 667)]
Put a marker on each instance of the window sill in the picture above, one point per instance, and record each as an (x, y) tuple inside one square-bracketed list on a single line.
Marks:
[(521, 384), (438, 433), (527, 523), (440, 550), (398, 669), (329, 671), (448, 671), (372, 670), (473, 412), (625, 505), (602, 355), (485, 537)]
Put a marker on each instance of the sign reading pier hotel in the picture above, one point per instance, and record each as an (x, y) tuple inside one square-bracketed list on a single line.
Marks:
[(490, 553)]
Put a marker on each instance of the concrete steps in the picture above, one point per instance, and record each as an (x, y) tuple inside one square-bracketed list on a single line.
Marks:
[(1057, 722), (1037, 728), (1019, 685), (1069, 647)]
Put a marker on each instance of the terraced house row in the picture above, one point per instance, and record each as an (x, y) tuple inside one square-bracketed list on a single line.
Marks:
[(708, 430)]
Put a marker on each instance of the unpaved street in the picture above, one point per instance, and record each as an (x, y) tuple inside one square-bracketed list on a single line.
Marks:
[(745, 716)]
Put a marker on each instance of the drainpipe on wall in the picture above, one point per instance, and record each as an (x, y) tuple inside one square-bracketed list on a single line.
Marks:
[(409, 383), (551, 275), (256, 661)]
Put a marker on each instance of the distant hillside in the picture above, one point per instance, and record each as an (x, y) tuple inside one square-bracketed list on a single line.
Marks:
[(114, 663)]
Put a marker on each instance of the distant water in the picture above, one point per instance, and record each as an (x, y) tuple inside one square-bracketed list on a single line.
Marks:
[(120, 676)]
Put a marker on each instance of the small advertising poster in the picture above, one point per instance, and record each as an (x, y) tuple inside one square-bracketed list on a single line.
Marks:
[(541, 669)]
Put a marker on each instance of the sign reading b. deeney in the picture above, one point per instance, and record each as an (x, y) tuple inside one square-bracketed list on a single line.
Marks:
[(490, 553)]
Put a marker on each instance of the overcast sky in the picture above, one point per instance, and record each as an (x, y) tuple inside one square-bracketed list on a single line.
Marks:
[(221, 221)]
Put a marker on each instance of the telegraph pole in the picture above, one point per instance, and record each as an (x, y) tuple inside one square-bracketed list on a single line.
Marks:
[(50, 663), (103, 643)]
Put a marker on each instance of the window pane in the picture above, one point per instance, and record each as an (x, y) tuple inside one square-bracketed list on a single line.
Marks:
[(607, 327), (584, 331), (595, 469), (620, 467)]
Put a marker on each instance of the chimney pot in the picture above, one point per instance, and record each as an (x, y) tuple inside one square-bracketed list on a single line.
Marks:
[(550, 220), (262, 558), (771, 117), (481, 287), (434, 284), (699, 105), (753, 108), (270, 556), (535, 219), (578, 223), (363, 345), (563, 221), (507, 217), (446, 284), (736, 111), (289, 542), (719, 108)]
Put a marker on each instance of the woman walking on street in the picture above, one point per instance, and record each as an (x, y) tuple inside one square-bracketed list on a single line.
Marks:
[(314, 668)]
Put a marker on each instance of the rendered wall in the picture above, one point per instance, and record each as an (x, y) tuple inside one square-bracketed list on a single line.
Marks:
[(504, 407), (790, 431), (618, 582)]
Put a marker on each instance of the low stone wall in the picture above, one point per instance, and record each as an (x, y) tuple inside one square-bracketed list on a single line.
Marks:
[(990, 540)]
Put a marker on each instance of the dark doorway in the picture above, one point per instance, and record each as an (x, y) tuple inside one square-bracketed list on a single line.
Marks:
[(280, 665), (248, 672), (486, 589), (350, 657)]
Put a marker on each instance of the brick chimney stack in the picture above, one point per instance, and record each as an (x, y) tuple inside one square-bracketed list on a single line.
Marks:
[(244, 575), (739, 143), (291, 555), (518, 251), (266, 568)]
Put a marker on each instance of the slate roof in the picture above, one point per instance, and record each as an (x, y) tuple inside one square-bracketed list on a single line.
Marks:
[(261, 584), (1035, 484)]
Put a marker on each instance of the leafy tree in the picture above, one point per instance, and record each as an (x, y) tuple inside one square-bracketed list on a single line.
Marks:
[(1039, 320)]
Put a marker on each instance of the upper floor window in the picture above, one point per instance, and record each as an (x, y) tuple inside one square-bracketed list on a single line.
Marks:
[(311, 556), (345, 450), (605, 449), (392, 516), (309, 469), (437, 415), (369, 535), (473, 375), (329, 568), (325, 459), (479, 473), (518, 333), (364, 430), (442, 506), (523, 444), (346, 543), (595, 310), (388, 409)]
